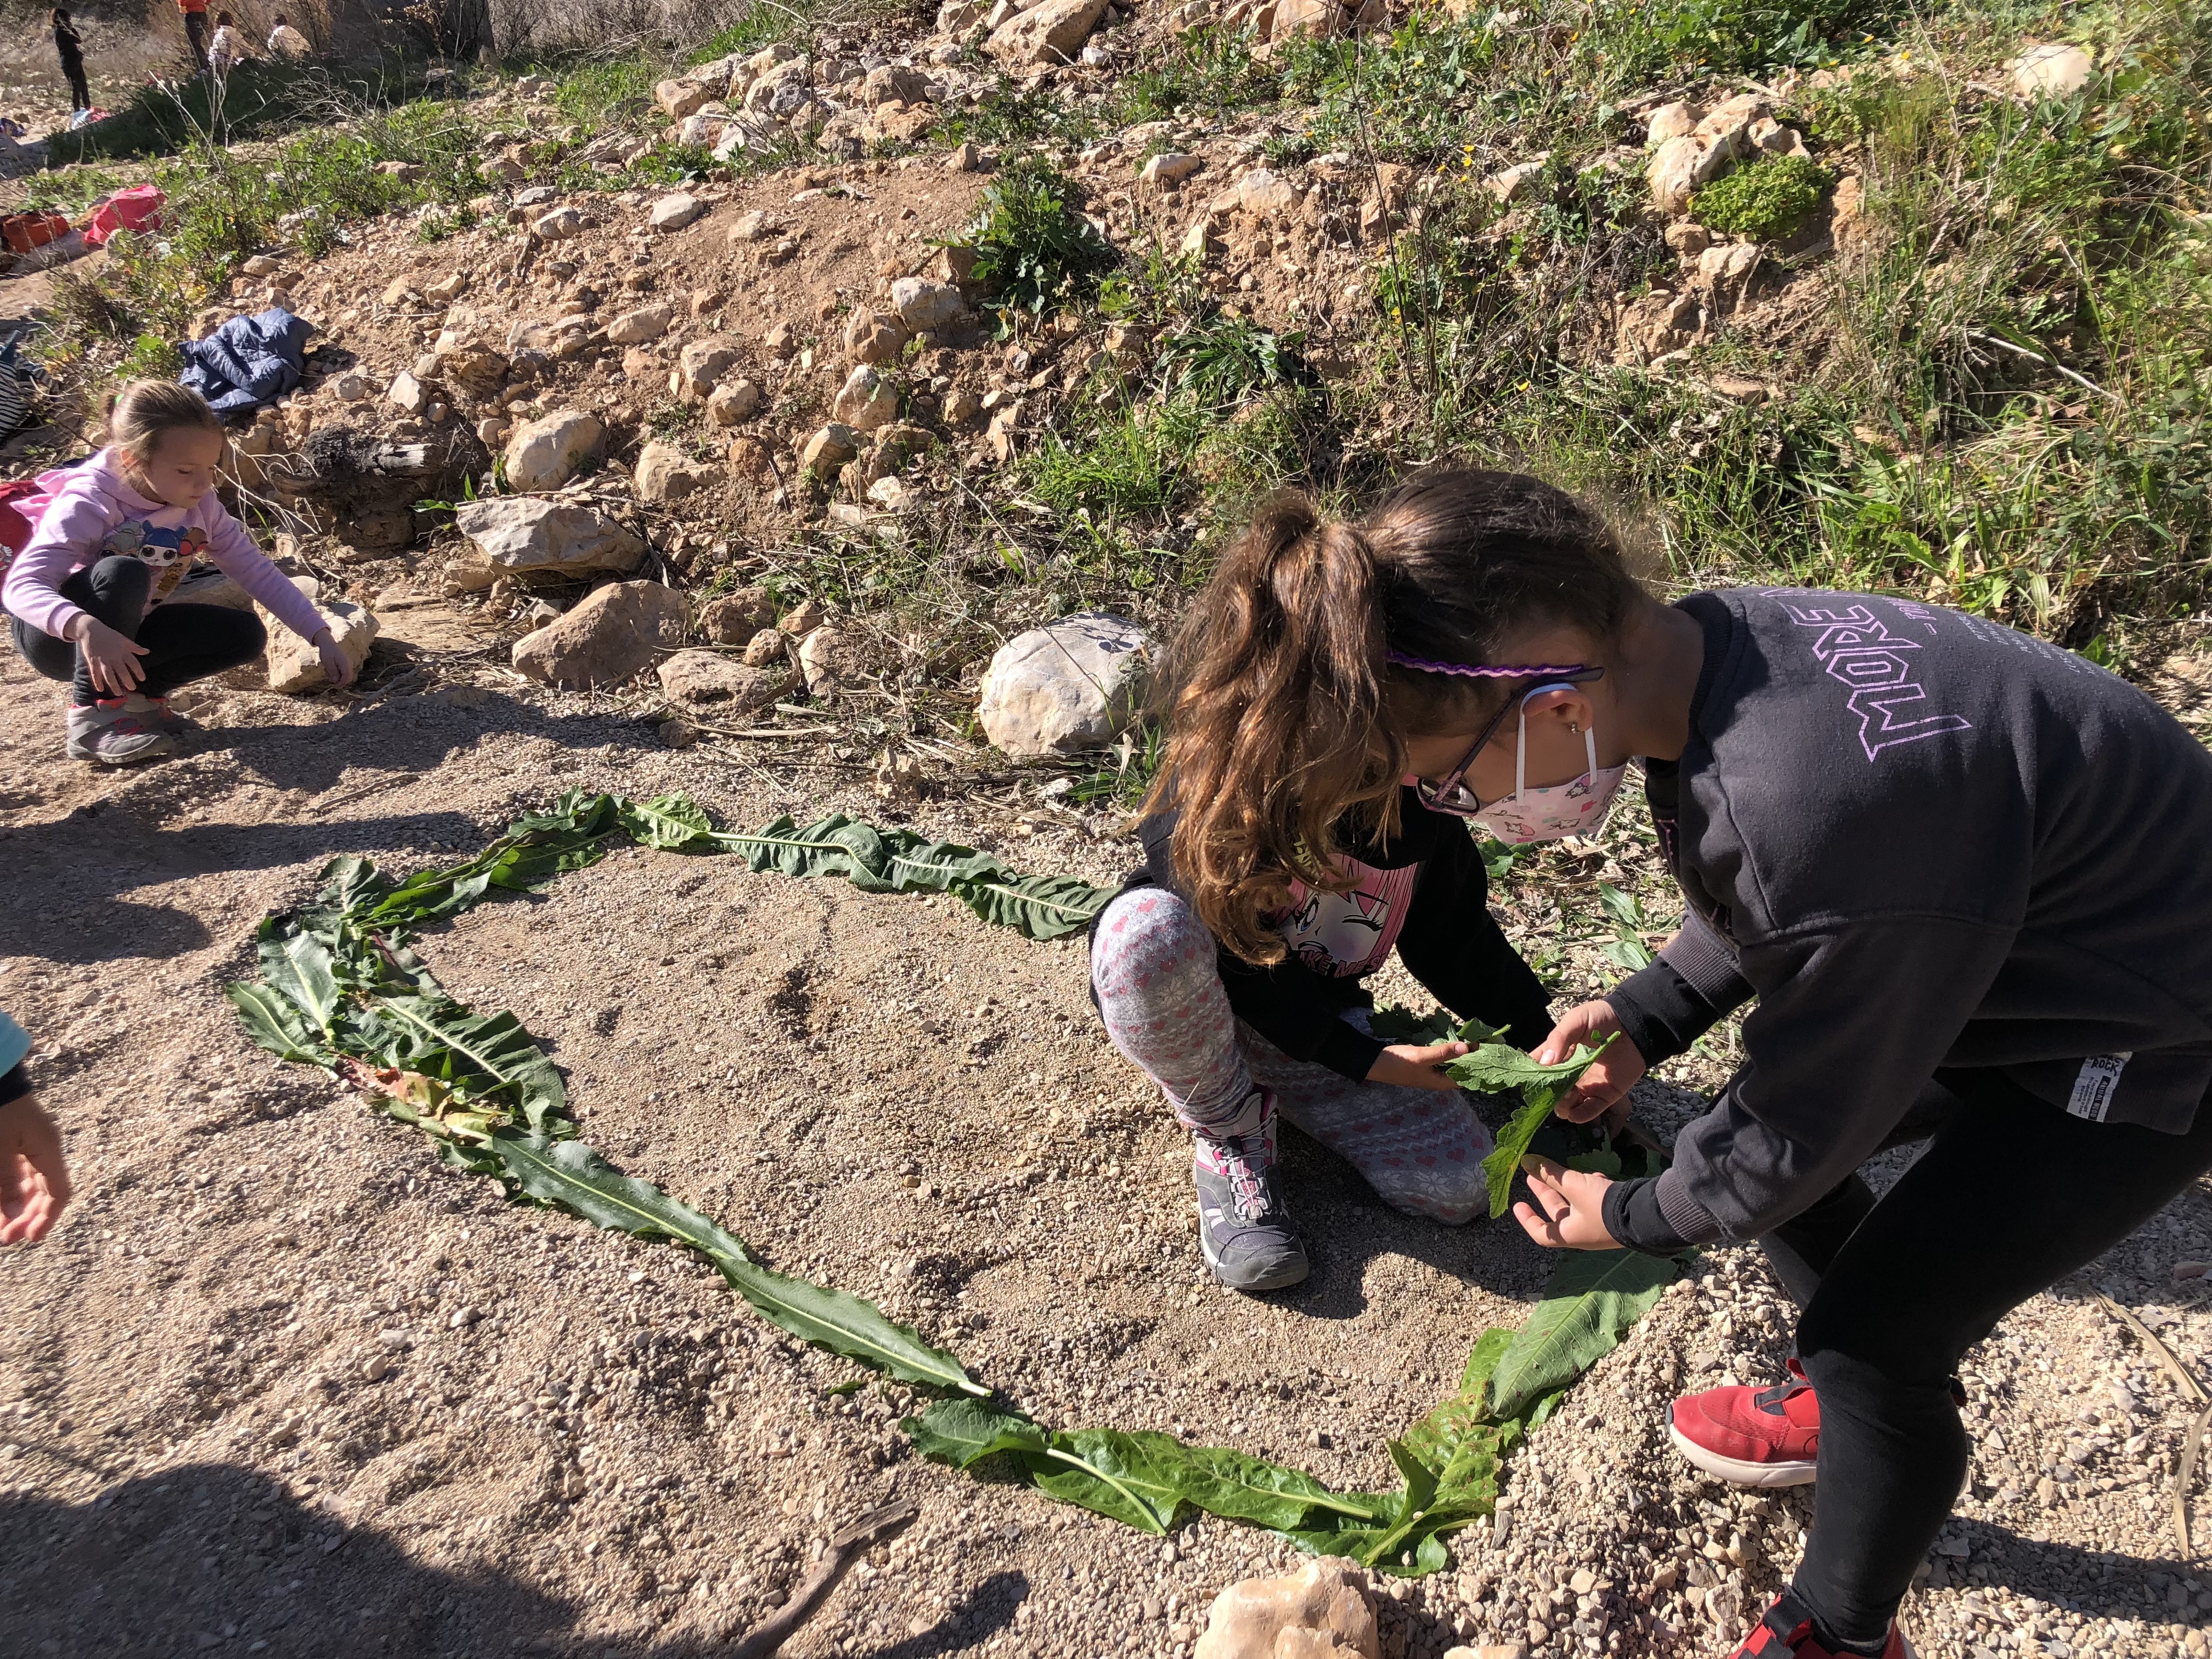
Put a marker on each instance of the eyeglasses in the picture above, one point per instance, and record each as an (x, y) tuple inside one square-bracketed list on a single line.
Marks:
[(1452, 796)]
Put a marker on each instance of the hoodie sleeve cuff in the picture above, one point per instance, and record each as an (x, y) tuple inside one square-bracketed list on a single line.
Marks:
[(1661, 1012), (1643, 1215)]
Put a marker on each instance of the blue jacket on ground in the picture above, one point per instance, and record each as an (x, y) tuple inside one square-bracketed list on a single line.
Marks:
[(248, 361)]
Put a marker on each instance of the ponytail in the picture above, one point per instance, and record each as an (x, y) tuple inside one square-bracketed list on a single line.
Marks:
[(1294, 682)]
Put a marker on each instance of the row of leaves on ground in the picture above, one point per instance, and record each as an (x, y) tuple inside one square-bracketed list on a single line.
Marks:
[(341, 987)]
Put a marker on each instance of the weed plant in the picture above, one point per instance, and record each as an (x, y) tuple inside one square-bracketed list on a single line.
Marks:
[(1767, 199)]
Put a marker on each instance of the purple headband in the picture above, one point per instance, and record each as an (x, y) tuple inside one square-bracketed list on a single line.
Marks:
[(1526, 671)]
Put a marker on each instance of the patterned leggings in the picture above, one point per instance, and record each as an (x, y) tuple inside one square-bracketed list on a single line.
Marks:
[(1152, 965)]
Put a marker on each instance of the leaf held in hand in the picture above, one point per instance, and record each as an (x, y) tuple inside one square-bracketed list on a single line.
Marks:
[(1540, 1087)]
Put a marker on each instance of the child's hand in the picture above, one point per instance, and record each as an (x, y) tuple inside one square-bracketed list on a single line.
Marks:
[(34, 1186), (1605, 1086), (1573, 1217), (1411, 1065), (112, 659), (338, 668)]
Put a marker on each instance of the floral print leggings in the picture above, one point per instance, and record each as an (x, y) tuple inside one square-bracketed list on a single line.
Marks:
[(1153, 967)]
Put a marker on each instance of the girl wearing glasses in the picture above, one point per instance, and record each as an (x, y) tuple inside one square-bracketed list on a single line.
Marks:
[(1285, 861), (1960, 872)]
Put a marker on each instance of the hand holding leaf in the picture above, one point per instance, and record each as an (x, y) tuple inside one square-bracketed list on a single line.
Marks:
[(1495, 1068), (1619, 1064)]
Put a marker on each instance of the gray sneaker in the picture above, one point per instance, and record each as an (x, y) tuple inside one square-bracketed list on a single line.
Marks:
[(1244, 1231), (156, 712), (110, 733)]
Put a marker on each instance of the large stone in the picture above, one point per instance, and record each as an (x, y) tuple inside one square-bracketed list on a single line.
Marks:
[(1319, 1612), (1266, 194), (1070, 686), (1680, 166), (527, 537), (678, 99), (614, 633), (866, 400), (734, 401), (2054, 69), (636, 327), (546, 453), (871, 337), (894, 83), (558, 225), (674, 212), (703, 364), (734, 618), (1052, 33), (708, 676), (923, 304), (832, 659), (1674, 120), (1324, 20), (828, 450), (296, 666), (664, 473), (1170, 167)]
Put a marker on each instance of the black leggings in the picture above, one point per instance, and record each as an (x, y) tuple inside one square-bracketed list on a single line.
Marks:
[(79, 93), (183, 642), (196, 36), (2011, 1196)]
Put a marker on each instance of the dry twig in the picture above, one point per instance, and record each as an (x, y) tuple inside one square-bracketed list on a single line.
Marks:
[(2185, 1476)]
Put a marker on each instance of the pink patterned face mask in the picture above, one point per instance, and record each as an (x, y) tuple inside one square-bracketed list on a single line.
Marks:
[(1553, 813)]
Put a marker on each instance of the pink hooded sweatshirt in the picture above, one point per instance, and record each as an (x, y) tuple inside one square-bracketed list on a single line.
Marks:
[(90, 514)]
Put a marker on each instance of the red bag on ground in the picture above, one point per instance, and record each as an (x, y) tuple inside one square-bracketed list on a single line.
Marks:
[(138, 208), (25, 231), (22, 502)]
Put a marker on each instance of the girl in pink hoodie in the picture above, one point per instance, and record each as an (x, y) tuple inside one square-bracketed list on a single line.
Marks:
[(117, 533)]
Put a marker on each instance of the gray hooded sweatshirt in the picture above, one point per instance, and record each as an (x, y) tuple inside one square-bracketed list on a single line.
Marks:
[(1919, 840)]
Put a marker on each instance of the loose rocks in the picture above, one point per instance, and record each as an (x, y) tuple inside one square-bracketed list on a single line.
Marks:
[(734, 618), (1067, 687), (613, 634), (674, 212), (528, 535), (1049, 33), (922, 304), (664, 473), (296, 666), (866, 400), (546, 454), (646, 323), (1320, 1612)]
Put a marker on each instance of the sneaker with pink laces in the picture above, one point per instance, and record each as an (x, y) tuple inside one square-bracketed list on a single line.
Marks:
[(156, 712), (110, 735), (1244, 1231)]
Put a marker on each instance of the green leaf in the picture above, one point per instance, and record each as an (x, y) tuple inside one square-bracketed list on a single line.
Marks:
[(1392, 1023), (1037, 907), (1605, 1161), (671, 823), (572, 1176), (1496, 1067), (1540, 1088), (964, 1431), (297, 965), (480, 1056), (273, 1021), (1588, 1306)]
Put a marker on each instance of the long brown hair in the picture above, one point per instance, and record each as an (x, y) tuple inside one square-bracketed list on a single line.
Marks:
[(1285, 716)]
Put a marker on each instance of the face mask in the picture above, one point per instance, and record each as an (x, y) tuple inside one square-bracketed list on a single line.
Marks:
[(1555, 813)]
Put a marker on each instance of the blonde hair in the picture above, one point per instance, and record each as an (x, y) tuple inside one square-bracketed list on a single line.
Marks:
[(136, 418)]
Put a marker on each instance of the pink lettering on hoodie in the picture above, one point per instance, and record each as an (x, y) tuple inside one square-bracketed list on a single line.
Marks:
[(90, 514)]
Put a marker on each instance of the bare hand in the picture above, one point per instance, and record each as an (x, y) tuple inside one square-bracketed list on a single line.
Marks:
[(34, 1186), (1603, 1089), (1410, 1065), (112, 659), (1573, 1216), (338, 667)]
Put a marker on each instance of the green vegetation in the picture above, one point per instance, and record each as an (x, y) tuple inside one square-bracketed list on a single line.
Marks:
[(1765, 199), (1032, 248)]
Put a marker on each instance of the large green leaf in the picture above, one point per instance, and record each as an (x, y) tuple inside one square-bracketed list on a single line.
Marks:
[(1038, 907), (669, 822), (480, 1056), (275, 1023), (963, 1431), (298, 966), (1588, 1306), (573, 1176), (1496, 1065)]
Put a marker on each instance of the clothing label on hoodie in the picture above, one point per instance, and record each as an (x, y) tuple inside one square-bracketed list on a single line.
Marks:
[(2094, 1085), (1346, 935)]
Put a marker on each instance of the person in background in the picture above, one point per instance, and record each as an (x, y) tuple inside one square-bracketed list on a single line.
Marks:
[(69, 45), (87, 594), (34, 1188), (196, 28), (285, 41), (226, 50)]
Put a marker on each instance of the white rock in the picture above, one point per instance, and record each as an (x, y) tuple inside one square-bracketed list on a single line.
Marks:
[(678, 99), (646, 323), (1674, 120), (674, 212), (1072, 685), (351, 388), (1265, 193), (2054, 69), (1168, 168), (1322, 1609), (558, 225), (527, 536), (296, 666), (613, 633), (1051, 32), (546, 453), (701, 366), (753, 227), (1510, 183), (698, 677), (734, 401), (409, 393), (923, 304), (894, 495), (664, 473), (866, 400)]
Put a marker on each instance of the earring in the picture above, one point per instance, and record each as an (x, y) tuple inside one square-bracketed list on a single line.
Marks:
[(1573, 730)]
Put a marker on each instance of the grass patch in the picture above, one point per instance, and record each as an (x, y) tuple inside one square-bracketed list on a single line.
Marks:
[(1767, 198), (1033, 249)]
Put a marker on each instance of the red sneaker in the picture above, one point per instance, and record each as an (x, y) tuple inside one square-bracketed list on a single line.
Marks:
[(1753, 1436), (1786, 1632)]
